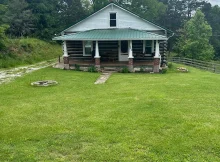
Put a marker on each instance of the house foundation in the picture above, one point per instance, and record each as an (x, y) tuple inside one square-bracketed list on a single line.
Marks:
[(66, 62), (156, 67), (131, 64), (97, 63)]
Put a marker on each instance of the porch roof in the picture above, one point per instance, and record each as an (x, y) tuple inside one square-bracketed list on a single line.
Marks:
[(112, 34)]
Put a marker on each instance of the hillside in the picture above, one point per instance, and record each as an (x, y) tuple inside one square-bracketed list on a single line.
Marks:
[(27, 51)]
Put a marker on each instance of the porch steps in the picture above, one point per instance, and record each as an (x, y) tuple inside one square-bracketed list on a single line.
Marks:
[(110, 69)]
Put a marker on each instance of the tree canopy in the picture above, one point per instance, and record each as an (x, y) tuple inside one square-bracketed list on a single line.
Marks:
[(194, 41), (44, 18)]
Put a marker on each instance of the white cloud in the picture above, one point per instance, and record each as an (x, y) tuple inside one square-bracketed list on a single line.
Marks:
[(215, 2)]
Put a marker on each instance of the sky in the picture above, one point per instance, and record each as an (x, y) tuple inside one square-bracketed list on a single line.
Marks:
[(215, 2)]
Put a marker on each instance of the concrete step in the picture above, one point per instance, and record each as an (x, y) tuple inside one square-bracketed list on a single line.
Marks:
[(109, 69)]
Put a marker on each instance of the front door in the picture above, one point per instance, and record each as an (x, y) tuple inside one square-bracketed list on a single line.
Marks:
[(123, 51)]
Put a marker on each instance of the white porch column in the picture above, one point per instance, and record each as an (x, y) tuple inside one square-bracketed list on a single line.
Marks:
[(97, 50), (157, 58), (144, 45), (130, 54), (65, 56), (97, 56), (152, 49), (157, 51), (65, 52)]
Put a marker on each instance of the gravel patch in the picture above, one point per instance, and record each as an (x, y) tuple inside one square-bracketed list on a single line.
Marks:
[(10, 74)]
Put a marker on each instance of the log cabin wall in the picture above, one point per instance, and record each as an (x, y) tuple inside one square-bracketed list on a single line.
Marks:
[(75, 48), (108, 50), (137, 46)]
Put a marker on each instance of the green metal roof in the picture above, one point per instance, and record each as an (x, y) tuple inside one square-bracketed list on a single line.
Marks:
[(112, 34)]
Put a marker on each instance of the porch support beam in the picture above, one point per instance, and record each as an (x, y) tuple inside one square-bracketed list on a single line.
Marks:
[(65, 52), (97, 56), (157, 52), (130, 57), (130, 54), (97, 50), (157, 58), (144, 45), (152, 49), (65, 56)]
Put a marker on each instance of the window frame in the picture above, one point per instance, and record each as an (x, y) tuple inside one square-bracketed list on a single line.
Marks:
[(147, 46), (113, 19), (84, 48)]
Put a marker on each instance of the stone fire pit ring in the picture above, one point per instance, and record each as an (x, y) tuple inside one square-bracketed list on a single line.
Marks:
[(44, 83)]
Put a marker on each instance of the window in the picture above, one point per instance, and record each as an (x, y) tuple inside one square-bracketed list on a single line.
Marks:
[(124, 46), (87, 48), (113, 20), (148, 47)]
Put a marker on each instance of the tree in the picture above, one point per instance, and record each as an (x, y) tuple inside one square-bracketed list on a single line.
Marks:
[(212, 16), (3, 9), (194, 40), (3, 37), (19, 18), (178, 11), (149, 9), (46, 20), (71, 11), (98, 4)]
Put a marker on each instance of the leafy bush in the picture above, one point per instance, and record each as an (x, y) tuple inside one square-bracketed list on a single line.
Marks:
[(142, 69), (3, 38), (170, 65), (92, 69), (163, 71), (125, 70), (77, 67)]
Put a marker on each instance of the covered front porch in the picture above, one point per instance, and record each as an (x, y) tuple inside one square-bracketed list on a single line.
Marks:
[(112, 48)]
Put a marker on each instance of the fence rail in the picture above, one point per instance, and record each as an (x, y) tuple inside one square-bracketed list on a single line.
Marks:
[(209, 66)]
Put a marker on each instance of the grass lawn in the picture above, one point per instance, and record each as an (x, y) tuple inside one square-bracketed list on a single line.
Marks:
[(133, 117)]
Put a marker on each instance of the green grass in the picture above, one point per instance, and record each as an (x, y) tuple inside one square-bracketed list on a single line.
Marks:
[(133, 117), (25, 51)]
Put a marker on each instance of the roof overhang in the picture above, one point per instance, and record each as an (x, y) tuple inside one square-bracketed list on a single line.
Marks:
[(112, 35)]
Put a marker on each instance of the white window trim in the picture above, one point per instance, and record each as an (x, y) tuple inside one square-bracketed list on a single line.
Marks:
[(116, 20), (144, 45), (84, 51)]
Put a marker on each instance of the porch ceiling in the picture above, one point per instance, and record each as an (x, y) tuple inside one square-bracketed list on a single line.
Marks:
[(112, 34)]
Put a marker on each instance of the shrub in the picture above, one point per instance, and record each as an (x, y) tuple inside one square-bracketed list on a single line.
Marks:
[(163, 71), (142, 69), (170, 65), (77, 67), (125, 70), (92, 69)]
